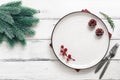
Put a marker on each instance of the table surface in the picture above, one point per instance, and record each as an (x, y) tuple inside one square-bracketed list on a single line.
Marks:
[(36, 60)]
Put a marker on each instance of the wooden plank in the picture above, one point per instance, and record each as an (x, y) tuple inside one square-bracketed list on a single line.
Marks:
[(35, 50), (55, 8), (54, 70), (45, 27), (52, 11), (36, 60)]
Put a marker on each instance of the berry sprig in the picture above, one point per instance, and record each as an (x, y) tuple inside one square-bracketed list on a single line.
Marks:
[(63, 51), (110, 21), (70, 58)]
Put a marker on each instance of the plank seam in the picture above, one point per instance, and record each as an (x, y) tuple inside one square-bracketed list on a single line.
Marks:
[(35, 59)]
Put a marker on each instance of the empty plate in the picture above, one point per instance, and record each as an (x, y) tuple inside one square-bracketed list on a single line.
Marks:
[(84, 48)]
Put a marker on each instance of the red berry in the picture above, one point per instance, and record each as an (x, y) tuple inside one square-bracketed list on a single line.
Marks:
[(50, 45), (61, 51), (62, 46), (65, 49), (85, 10), (68, 59), (69, 56), (82, 10), (99, 32), (64, 53), (92, 23), (110, 35), (77, 70)]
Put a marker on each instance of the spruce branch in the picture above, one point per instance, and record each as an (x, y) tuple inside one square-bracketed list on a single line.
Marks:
[(2, 29), (7, 18), (23, 42), (16, 22), (18, 33), (25, 11), (11, 10), (11, 42), (27, 31), (110, 21), (6, 29), (1, 38), (13, 4), (26, 21)]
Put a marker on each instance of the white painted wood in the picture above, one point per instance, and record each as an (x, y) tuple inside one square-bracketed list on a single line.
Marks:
[(58, 8), (53, 9), (35, 49), (47, 70), (45, 27), (41, 64)]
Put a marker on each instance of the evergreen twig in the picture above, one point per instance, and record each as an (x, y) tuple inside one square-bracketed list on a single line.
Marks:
[(110, 21), (25, 11), (13, 4), (11, 10), (1, 37), (15, 22), (6, 17)]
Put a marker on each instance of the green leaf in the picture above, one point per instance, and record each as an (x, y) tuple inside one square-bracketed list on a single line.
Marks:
[(1, 38), (110, 21), (13, 4), (26, 21), (6, 28), (7, 18), (25, 11), (10, 10)]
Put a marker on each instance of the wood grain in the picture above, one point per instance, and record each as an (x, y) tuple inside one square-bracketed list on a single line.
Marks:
[(53, 70), (36, 61), (45, 27), (36, 49)]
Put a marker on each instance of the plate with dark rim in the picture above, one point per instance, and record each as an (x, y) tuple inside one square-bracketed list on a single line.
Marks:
[(84, 48)]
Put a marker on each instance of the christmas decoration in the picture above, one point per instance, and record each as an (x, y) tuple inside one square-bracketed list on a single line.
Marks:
[(110, 21), (92, 23), (99, 32), (16, 22), (63, 52)]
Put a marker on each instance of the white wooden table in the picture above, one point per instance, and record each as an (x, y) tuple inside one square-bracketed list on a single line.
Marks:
[(36, 60)]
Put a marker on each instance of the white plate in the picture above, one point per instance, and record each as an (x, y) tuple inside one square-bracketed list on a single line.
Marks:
[(73, 32)]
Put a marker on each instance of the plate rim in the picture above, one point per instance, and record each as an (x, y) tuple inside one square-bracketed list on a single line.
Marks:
[(62, 19)]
